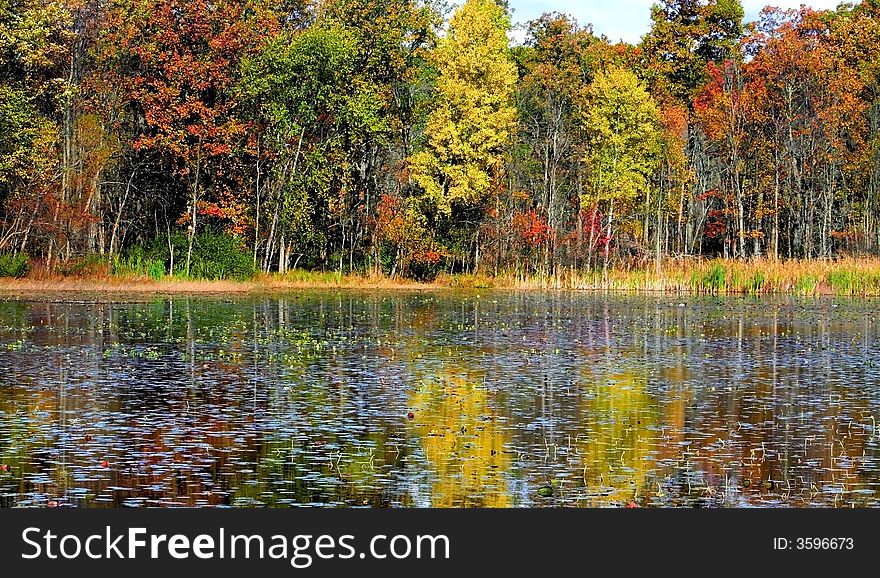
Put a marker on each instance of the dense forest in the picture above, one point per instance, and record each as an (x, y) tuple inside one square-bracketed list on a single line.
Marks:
[(211, 138)]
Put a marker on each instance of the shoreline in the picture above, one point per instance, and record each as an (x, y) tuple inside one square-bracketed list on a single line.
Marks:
[(114, 285), (848, 277)]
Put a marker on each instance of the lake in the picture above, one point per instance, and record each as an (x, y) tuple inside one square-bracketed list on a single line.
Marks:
[(441, 399)]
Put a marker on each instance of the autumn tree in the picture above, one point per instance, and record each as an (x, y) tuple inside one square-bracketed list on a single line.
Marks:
[(623, 123), (685, 36), (333, 107), (809, 117), (392, 40), (556, 64), (460, 164), (854, 33), (178, 62), (357, 135), (301, 82), (33, 35)]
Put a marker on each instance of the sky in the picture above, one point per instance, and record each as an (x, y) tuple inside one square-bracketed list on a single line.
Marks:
[(628, 20)]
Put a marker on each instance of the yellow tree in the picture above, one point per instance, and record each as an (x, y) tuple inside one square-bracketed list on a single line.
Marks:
[(474, 116), (623, 124)]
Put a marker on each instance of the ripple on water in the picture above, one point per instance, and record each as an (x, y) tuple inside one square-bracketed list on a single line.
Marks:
[(305, 400)]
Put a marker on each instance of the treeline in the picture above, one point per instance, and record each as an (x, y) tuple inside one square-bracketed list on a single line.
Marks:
[(214, 138)]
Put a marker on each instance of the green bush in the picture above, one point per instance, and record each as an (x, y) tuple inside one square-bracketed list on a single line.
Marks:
[(13, 264), (215, 256), (844, 282), (136, 263), (423, 270)]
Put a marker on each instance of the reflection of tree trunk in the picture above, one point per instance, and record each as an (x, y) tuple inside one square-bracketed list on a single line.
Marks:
[(191, 343)]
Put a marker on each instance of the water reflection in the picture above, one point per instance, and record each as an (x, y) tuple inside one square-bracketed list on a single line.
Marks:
[(420, 399)]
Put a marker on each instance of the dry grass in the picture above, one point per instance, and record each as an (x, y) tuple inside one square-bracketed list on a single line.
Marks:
[(121, 285), (305, 280), (266, 283), (848, 276)]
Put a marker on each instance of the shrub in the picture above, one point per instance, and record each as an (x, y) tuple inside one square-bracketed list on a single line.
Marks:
[(472, 281), (843, 282), (91, 264), (215, 256), (13, 264), (136, 263)]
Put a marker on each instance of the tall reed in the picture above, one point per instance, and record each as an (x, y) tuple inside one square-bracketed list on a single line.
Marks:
[(845, 276)]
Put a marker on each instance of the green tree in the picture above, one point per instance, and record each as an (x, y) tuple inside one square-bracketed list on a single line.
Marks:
[(334, 105), (392, 38), (301, 83), (685, 36)]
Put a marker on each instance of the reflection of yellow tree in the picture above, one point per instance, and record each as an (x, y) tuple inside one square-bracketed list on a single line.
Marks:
[(462, 440), (619, 449)]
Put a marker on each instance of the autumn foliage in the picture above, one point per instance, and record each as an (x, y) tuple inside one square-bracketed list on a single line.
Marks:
[(373, 136)]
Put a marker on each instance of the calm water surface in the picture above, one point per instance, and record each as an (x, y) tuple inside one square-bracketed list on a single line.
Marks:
[(440, 399)]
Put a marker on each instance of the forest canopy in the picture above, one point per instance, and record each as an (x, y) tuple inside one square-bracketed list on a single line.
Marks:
[(208, 138)]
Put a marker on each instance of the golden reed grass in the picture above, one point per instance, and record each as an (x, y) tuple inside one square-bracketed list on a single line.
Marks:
[(846, 276), (263, 283)]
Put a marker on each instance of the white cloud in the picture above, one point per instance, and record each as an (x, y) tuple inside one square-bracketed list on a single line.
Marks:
[(628, 20)]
